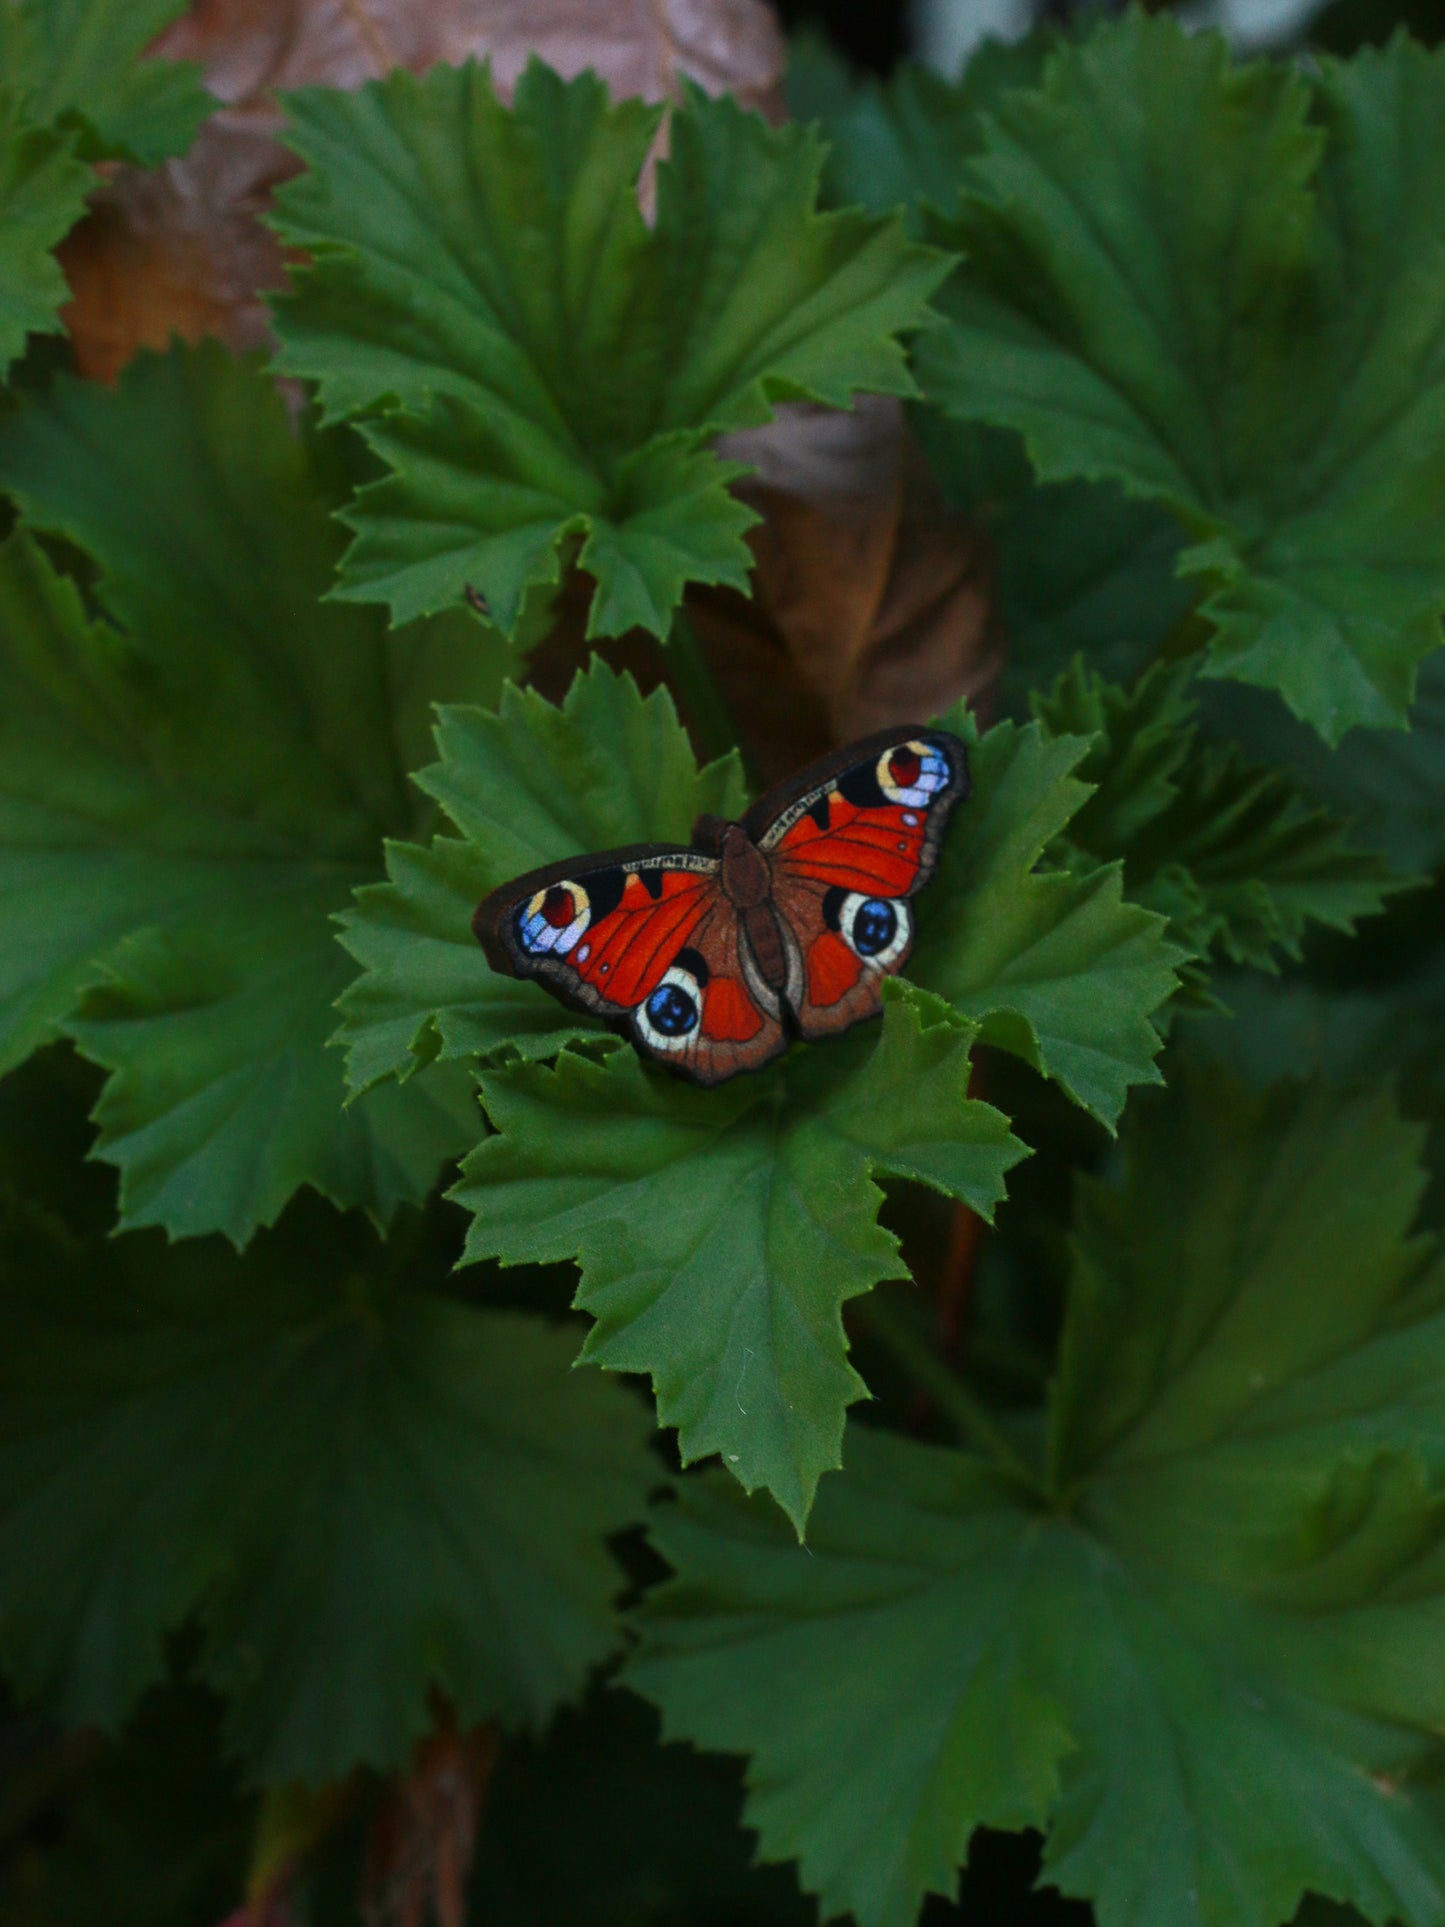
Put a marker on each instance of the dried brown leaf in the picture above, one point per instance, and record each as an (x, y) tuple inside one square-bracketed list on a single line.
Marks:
[(181, 249), (873, 602), (252, 47)]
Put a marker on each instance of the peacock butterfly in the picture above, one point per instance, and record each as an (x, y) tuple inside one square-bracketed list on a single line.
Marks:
[(711, 957)]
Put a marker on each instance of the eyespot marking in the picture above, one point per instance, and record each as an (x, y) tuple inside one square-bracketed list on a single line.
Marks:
[(672, 1012), (912, 773), (877, 929), (551, 922)]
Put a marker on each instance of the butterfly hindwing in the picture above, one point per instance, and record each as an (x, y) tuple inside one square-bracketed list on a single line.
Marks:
[(851, 840), (735, 1032), (644, 938)]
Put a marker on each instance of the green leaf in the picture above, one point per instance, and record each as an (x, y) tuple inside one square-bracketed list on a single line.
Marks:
[(903, 142), (878, 1684), (1058, 968), (366, 1493), (538, 366), (525, 786), (77, 63), (192, 786), (1368, 1016), (818, 83), (42, 195), (1220, 285), (719, 1232), (1203, 1663), (204, 1023), (1241, 858), (1390, 785), (1083, 569)]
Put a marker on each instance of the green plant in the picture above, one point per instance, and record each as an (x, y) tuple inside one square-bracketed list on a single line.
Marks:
[(1139, 1539)]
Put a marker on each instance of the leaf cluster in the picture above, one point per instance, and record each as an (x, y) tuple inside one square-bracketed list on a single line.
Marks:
[(1218, 286), (554, 380), (1240, 857), (1207, 1620), (360, 1489), (200, 758), (1139, 1541)]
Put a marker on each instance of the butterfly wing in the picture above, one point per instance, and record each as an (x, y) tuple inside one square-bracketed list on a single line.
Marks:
[(643, 938), (851, 839)]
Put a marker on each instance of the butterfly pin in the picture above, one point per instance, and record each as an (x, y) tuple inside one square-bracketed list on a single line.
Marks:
[(713, 956)]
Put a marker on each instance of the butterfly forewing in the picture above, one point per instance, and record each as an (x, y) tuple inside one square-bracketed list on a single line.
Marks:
[(644, 938)]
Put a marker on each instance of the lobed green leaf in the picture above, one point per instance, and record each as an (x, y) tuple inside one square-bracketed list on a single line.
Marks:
[(1200, 1656), (901, 143), (1061, 969), (718, 1233), (76, 64), (193, 783), (537, 368), (367, 1494), (1241, 857), (43, 186), (1219, 285)]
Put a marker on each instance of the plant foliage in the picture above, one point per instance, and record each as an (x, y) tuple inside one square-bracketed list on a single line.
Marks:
[(1137, 1543), (1231, 1554), (71, 92), (195, 776), (535, 362), (1192, 278)]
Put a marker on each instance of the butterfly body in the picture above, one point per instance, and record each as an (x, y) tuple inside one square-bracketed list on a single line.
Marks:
[(712, 956)]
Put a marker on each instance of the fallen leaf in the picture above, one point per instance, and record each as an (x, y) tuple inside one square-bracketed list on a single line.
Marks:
[(181, 250), (177, 250), (874, 602)]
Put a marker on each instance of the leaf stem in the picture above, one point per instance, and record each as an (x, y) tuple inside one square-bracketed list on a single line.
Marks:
[(702, 701), (967, 1414)]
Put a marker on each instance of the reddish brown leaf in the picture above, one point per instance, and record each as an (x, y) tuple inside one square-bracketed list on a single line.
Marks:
[(181, 249), (873, 601), (251, 47)]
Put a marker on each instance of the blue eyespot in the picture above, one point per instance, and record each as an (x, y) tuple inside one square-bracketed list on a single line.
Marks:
[(671, 1010), (874, 925)]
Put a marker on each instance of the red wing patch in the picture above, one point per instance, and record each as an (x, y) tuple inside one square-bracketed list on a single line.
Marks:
[(729, 1014), (647, 939), (625, 955), (600, 934), (832, 968), (649, 943), (877, 851), (874, 825)]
